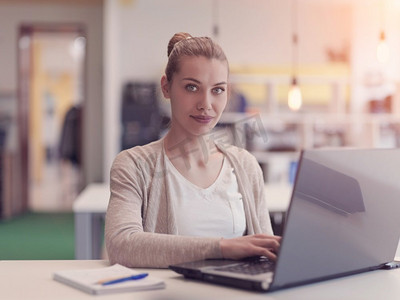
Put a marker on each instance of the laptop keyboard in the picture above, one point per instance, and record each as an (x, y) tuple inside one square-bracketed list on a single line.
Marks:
[(253, 266)]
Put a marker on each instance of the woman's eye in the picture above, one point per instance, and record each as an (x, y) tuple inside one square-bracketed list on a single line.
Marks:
[(218, 90), (191, 88)]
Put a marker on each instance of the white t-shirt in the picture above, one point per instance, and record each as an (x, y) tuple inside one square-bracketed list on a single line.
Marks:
[(216, 211)]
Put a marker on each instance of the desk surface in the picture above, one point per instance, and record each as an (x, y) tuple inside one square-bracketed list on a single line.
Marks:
[(33, 280), (94, 199)]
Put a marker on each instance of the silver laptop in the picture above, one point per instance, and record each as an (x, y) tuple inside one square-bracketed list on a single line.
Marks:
[(343, 219)]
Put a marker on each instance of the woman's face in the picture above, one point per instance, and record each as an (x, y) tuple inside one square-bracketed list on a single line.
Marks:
[(198, 95)]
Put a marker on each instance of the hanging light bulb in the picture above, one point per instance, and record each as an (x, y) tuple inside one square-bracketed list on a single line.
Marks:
[(294, 96), (382, 51), (295, 99), (215, 27)]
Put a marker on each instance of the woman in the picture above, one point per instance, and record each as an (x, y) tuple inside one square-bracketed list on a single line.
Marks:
[(186, 197)]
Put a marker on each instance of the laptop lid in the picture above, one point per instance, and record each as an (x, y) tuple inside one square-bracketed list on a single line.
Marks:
[(343, 217)]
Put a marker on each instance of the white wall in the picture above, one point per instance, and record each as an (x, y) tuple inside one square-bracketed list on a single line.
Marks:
[(256, 32)]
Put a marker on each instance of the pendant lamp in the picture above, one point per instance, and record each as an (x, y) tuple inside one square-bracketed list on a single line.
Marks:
[(294, 96), (382, 50)]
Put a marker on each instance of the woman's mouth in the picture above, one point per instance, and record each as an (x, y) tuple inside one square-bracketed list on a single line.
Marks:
[(202, 119)]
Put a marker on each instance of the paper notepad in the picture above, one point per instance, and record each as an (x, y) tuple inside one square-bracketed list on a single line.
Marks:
[(86, 280)]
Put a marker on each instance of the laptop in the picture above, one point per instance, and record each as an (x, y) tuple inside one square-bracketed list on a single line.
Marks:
[(343, 219)]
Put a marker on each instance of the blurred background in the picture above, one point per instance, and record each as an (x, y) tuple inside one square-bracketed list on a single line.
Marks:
[(79, 82)]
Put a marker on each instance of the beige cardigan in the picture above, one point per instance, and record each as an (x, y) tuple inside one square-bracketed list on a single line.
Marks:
[(140, 229)]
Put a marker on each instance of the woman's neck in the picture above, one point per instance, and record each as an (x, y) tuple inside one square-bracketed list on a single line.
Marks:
[(194, 149)]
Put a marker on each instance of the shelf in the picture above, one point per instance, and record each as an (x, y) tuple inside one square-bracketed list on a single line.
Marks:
[(266, 134)]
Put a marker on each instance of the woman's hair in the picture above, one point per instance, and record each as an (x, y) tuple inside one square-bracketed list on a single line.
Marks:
[(183, 44)]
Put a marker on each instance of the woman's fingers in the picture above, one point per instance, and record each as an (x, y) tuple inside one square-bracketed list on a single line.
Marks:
[(268, 248), (269, 243), (251, 245), (267, 253)]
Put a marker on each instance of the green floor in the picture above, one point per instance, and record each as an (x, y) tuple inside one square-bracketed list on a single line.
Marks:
[(37, 236)]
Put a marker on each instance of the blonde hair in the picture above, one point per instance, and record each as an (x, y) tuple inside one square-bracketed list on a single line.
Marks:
[(183, 44)]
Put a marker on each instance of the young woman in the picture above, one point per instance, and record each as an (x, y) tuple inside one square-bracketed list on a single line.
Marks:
[(186, 196)]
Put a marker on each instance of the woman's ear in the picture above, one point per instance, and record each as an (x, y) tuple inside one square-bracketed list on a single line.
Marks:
[(165, 87)]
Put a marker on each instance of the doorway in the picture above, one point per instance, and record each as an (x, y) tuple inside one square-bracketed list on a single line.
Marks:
[(51, 100)]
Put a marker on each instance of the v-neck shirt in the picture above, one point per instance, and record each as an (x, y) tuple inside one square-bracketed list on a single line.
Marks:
[(215, 211)]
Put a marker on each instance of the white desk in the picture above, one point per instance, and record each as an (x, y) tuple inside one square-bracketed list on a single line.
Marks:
[(32, 280), (91, 205)]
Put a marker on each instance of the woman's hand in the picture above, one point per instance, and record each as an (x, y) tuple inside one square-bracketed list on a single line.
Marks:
[(250, 245)]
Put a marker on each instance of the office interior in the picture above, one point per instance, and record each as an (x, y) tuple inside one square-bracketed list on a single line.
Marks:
[(68, 66)]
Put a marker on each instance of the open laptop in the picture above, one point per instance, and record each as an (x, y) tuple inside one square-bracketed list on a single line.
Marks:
[(343, 219)]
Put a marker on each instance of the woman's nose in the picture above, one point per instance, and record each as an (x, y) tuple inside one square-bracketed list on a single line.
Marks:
[(204, 102)]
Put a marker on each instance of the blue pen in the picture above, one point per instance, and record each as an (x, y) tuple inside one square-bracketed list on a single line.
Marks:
[(118, 280)]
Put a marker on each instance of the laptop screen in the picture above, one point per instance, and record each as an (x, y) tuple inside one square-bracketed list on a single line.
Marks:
[(343, 216)]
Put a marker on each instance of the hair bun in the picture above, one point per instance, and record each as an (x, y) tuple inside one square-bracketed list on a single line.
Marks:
[(177, 38)]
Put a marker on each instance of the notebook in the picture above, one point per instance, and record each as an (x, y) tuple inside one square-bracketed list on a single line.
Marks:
[(89, 280), (342, 219)]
